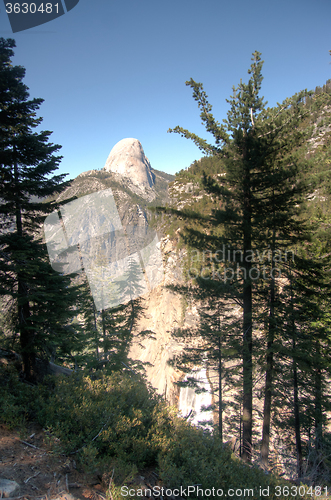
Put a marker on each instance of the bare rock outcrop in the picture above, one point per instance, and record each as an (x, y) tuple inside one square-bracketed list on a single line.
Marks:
[(163, 313), (128, 160), (8, 488)]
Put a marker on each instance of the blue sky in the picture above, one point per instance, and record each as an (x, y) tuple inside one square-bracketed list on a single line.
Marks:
[(111, 69)]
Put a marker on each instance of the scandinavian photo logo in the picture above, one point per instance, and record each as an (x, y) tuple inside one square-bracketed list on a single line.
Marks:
[(25, 15), (226, 263), (121, 263)]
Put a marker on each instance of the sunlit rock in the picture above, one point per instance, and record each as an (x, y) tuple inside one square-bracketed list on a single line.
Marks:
[(128, 159)]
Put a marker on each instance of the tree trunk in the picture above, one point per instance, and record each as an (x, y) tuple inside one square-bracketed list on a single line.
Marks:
[(105, 343), (25, 329), (247, 378), (318, 400), (269, 372), (267, 402), (247, 324), (295, 389), (220, 399), (26, 335), (96, 334), (297, 414)]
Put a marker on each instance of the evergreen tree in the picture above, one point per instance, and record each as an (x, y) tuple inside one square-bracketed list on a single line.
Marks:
[(110, 331), (218, 349), (258, 197), (43, 299)]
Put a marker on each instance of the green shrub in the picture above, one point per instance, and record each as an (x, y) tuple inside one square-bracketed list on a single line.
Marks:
[(108, 417), (198, 458), (15, 398), (116, 425)]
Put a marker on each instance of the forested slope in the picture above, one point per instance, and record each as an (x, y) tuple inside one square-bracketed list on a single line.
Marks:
[(253, 217)]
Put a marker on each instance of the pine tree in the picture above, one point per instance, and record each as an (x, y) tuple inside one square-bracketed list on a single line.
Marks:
[(257, 146), (110, 332), (236, 145), (218, 346), (27, 162)]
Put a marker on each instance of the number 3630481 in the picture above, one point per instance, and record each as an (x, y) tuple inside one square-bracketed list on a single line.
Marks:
[(31, 8)]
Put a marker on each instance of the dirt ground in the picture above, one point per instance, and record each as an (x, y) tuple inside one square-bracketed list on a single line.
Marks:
[(44, 475), (40, 473)]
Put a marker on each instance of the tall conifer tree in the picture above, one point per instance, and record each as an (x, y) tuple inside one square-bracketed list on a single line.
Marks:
[(256, 146), (27, 164)]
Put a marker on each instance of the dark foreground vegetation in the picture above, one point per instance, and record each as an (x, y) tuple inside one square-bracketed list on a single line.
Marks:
[(115, 425)]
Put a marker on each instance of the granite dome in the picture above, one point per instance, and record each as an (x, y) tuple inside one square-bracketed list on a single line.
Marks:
[(128, 159)]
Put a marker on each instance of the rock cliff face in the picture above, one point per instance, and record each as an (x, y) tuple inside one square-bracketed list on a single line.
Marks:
[(164, 312), (127, 158), (134, 184)]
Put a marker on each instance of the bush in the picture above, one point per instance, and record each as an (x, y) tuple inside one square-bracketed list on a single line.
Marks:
[(108, 417), (15, 397), (116, 425)]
